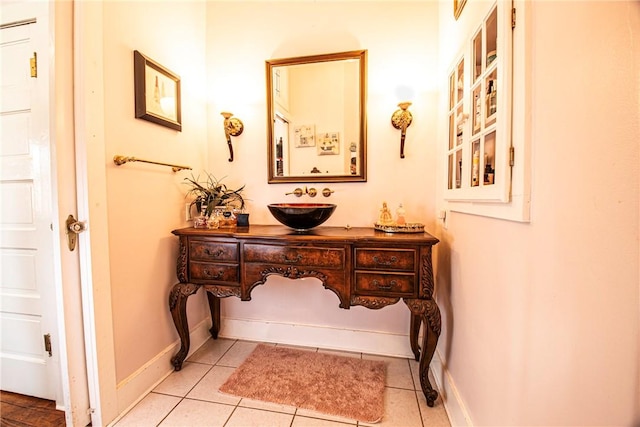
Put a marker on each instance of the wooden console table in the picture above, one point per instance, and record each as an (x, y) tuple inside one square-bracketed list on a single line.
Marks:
[(362, 266)]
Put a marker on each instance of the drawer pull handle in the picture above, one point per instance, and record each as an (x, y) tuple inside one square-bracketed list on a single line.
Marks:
[(298, 258), (216, 253), (384, 287), (216, 276), (381, 261)]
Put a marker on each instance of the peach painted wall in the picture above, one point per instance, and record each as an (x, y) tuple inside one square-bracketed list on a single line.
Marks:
[(401, 39), (540, 319), (146, 202)]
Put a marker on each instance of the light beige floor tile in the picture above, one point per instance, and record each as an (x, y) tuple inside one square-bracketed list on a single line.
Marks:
[(237, 353), (207, 388), (400, 409), (398, 371), (267, 406), (194, 413), (321, 415), (211, 351), (179, 383), (245, 417), (149, 411), (316, 422)]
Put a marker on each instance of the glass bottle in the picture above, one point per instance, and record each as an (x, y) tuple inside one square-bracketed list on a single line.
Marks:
[(400, 215)]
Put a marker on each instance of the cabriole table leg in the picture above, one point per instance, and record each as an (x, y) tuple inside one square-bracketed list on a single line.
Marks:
[(430, 314), (178, 306), (214, 308)]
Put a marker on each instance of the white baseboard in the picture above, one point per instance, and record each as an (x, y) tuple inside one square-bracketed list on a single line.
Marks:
[(136, 386), (359, 341), (456, 410)]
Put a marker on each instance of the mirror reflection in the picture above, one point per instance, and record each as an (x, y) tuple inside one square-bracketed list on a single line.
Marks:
[(316, 118)]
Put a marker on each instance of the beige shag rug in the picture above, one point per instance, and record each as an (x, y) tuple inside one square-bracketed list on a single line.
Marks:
[(335, 385)]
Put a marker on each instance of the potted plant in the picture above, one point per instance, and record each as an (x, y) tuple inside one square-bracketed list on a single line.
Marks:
[(210, 193)]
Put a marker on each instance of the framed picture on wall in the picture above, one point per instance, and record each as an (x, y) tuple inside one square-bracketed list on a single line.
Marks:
[(157, 92), (328, 143), (458, 5), (305, 135)]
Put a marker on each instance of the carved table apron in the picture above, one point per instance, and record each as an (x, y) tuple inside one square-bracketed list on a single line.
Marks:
[(362, 266)]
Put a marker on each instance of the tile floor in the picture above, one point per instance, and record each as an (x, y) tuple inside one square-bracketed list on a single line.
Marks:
[(189, 397)]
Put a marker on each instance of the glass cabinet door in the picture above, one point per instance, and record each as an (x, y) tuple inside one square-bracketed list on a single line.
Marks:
[(479, 112), (457, 119)]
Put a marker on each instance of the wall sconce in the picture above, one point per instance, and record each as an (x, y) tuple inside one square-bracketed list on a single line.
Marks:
[(232, 127), (401, 119)]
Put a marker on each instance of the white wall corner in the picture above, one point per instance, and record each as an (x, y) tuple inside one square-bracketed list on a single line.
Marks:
[(453, 404), (136, 386)]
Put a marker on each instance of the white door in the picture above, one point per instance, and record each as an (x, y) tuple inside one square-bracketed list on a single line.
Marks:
[(27, 288)]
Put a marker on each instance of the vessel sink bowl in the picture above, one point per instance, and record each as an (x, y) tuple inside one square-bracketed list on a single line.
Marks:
[(301, 216)]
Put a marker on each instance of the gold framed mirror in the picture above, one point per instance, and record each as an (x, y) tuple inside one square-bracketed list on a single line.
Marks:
[(316, 118)]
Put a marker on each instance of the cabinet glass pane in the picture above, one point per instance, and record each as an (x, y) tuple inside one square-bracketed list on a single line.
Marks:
[(477, 110), (459, 125), (460, 81), (477, 56), (459, 169), (452, 88), (492, 36), (489, 158), (491, 107), (450, 172), (451, 131)]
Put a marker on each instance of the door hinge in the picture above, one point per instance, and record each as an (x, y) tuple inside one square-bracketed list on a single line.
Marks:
[(34, 65), (513, 18), (512, 156), (47, 344)]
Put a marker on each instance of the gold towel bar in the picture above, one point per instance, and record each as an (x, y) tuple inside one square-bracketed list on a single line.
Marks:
[(121, 160)]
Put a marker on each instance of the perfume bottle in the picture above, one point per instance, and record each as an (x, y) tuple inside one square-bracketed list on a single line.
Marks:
[(400, 213)]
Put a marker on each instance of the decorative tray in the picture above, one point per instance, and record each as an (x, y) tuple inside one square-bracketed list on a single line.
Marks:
[(410, 227)]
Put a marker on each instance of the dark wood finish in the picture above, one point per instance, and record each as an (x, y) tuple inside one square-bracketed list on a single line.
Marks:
[(18, 410), (362, 266)]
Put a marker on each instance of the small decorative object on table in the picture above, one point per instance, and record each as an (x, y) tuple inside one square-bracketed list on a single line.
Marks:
[(243, 219), (227, 217), (409, 227), (388, 225), (214, 201), (385, 217)]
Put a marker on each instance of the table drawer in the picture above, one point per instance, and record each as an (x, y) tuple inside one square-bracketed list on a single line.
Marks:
[(295, 255), (388, 284), (385, 259), (217, 272), (203, 250)]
